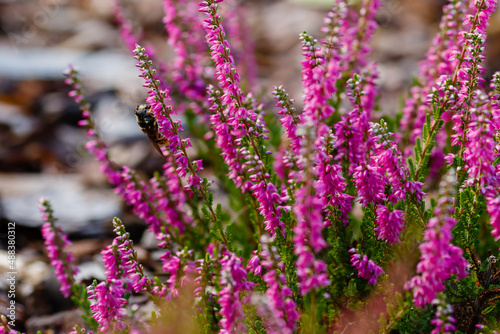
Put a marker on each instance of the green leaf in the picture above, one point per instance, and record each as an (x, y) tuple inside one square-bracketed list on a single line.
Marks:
[(418, 150)]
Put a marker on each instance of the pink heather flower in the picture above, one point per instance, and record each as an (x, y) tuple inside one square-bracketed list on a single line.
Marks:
[(311, 200), (335, 29), (119, 263), (288, 119), (95, 145), (359, 47), (479, 153), (171, 265), (469, 71), (352, 131), (389, 224), (370, 184), (493, 208), (55, 241), (186, 37), (108, 309), (137, 194), (443, 319), (439, 258), (366, 268), (315, 195), (142, 197), (469, 76), (114, 258), (224, 138), (239, 35), (334, 24), (279, 309), (120, 260), (287, 163), (168, 127), (438, 62), (389, 163), (386, 167), (316, 94), (347, 43), (171, 197), (181, 269), (126, 32), (234, 283), (233, 121), (485, 126), (331, 184), (253, 264), (131, 40), (308, 239)]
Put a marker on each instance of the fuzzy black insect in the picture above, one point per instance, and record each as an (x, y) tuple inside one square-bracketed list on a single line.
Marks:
[(148, 124)]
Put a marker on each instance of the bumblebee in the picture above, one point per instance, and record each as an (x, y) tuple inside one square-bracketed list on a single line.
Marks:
[(148, 124)]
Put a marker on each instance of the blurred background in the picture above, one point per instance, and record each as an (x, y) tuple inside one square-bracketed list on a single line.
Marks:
[(41, 145)]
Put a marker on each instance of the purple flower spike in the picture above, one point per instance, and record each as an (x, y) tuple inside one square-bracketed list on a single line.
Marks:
[(234, 282), (366, 268), (185, 36), (443, 318), (108, 310), (237, 125), (389, 164), (278, 310), (55, 242), (438, 62), (439, 258), (389, 224), (353, 142)]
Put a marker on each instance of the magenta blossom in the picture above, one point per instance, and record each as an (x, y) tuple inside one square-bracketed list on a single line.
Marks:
[(390, 223), (55, 242), (108, 310), (279, 309), (439, 258), (235, 287), (366, 268)]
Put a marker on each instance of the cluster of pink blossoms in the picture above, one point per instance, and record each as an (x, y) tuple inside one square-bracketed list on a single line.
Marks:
[(439, 258), (187, 71), (443, 318), (385, 168), (123, 275), (237, 123), (95, 145), (438, 62), (492, 126), (157, 99), (55, 242), (135, 193), (109, 307), (289, 121), (279, 309), (367, 269), (353, 142), (180, 267), (234, 281)]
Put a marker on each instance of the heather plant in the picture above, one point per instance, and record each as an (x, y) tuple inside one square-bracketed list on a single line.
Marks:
[(333, 221)]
